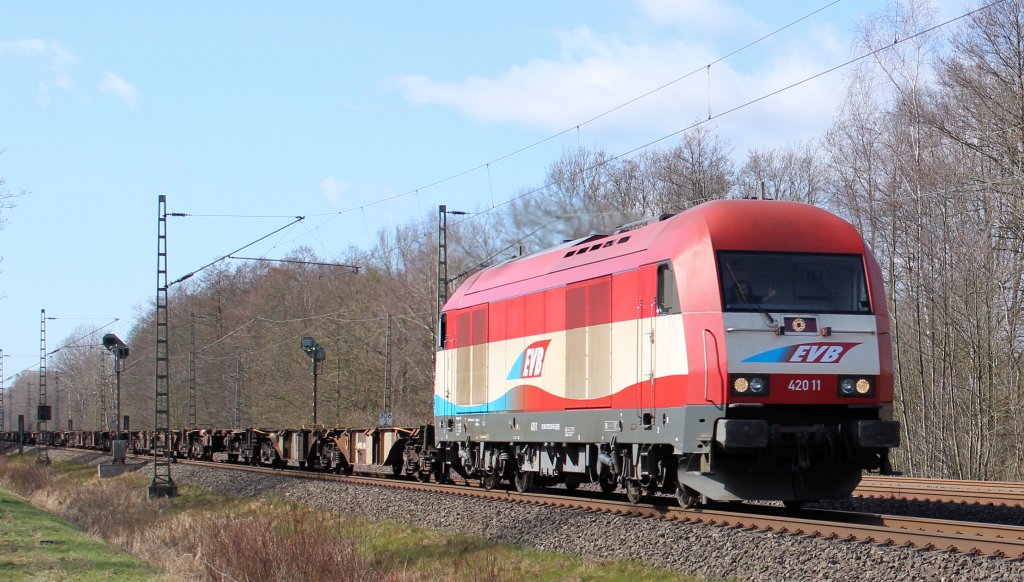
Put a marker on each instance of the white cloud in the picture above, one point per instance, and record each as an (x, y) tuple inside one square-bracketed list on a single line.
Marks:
[(57, 62), (595, 74), (113, 84), (592, 76), (31, 47), (333, 189), (699, 15)]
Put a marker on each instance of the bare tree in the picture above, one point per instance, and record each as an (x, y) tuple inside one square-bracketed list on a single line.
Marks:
[(790, 173), (7, 199), (697, 170)]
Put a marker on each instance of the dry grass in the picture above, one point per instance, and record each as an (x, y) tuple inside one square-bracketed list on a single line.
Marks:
[(266, 542), (199, 537), (260, 541), (25, 477)]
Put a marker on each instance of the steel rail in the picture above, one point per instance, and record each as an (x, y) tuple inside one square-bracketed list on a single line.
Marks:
[(975, 538), (913, 532), (943, 490)]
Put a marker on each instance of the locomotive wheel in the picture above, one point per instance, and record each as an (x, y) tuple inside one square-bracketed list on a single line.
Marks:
[(490, 479), (607, 482), (687, 497), (634, 491), (423, 476), (572, 484), (396, 470), (523, 481)]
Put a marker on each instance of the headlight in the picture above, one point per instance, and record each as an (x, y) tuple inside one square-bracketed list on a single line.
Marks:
[(740, 385), (744, 385), (846, 386), (757, 385), (856, 387)]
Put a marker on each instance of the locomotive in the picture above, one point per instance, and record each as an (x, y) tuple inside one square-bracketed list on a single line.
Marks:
[(739, 350)]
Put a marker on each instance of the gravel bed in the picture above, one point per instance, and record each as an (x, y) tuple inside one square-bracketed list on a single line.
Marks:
[(699, 550), (931, 509)]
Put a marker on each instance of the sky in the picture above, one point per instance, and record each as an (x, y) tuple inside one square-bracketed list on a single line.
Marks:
[(354, 115)]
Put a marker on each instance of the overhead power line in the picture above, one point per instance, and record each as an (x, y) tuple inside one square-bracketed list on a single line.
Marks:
[(242, 248), (577, 126), (743, 105)]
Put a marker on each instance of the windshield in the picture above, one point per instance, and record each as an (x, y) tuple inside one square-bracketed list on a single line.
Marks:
[(793, 282)]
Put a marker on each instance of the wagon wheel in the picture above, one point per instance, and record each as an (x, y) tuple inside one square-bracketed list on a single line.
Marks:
[(440, 472), (687, 497), (396, 470), (268, 456), (607, 482), (634, 491), (572, 484), (793, 505), (490, 479), (423, 476), (328, 454), (523, 481)]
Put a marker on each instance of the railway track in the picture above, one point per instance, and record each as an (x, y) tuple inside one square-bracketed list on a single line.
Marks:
[(915, 532), (942, 490), (968, 537)]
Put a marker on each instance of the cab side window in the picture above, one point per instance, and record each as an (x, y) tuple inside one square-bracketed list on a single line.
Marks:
[(668, 293)]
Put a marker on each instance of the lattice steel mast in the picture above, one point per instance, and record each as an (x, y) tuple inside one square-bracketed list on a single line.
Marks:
[(162, 485), (56, 399), (3, 419), (43, 411), (442, 267), (238, 391), (192, 370)]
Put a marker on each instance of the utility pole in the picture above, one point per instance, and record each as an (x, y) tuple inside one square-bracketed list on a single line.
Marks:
[(442, 267), (56, 399), (43, 411), (238, 390), (101, 391), (192, 369), (3, 419), (10, 406), (337, 401), (28, 407), (162, 484), (385, 416)]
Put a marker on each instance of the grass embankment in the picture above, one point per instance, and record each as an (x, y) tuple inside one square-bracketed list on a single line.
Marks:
[(35, 545), (200, 536)]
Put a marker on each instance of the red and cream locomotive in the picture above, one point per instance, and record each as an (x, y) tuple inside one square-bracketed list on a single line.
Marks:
[(739, 350)]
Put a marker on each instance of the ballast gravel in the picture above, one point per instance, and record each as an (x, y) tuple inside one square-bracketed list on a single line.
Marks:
[(699, 550)]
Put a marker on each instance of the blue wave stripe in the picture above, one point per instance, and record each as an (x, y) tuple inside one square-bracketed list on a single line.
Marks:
[(773, 356), (444, 407), (516, 372)]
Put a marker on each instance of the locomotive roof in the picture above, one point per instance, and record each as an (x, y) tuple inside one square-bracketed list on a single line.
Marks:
[(756, 225)]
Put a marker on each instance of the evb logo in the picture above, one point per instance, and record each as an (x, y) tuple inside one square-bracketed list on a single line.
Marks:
[(809, 353), (530, 363)]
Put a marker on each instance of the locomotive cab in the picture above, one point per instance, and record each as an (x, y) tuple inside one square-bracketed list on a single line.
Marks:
[(807, 394)]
